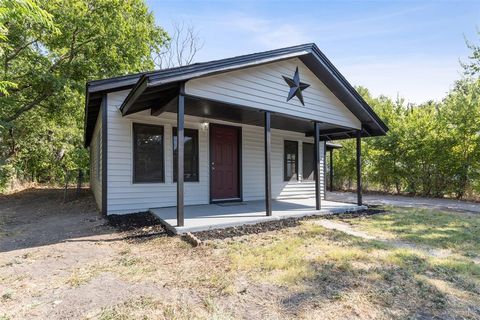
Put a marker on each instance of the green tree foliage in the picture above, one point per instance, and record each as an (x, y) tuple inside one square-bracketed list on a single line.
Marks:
[(19, 10), (472, 66), (49, 49), (432, 149)]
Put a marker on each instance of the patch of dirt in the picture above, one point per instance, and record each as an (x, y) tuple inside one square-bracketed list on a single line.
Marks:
[(247, 229), (44, 241), (65, 261), (141, 224)]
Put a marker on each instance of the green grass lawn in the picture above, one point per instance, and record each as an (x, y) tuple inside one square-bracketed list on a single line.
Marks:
[(459, 232)]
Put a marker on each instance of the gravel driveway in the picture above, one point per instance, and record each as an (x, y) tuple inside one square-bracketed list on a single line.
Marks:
[(402, 201)]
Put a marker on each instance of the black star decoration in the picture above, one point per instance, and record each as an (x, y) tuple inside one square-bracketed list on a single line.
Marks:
[(296, 87)]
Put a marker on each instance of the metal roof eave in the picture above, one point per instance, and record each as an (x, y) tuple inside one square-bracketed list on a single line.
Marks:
[(160, 78)]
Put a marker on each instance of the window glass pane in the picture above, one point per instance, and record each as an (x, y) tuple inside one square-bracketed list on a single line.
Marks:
[(190, 155), (308, 161), (148, 153), (290, 160)]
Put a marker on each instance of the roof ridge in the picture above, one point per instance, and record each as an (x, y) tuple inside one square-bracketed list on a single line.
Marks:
[(197, 64)]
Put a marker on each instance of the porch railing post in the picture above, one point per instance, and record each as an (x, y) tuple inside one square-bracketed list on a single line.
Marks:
[(316, 165), (180, 154), (359, 167), (268, 167)]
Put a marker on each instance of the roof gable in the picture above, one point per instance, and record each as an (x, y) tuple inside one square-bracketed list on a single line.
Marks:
[(162, 80), (263, 87)]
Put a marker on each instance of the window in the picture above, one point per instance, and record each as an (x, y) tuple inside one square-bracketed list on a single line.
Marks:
[(190, 167), (308, 161), (148, 158), (290, 160)]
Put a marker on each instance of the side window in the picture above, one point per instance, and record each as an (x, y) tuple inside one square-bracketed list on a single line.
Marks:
[(148, 153), (290, 160), (190, 155)]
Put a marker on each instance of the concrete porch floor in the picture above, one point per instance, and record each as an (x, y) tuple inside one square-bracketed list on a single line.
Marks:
[(218, 216)]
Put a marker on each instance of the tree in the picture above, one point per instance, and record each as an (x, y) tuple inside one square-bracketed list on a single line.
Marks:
[(472, 67), (461, 116), (24, 10), (99, 38), (48, 56), (181, 48)]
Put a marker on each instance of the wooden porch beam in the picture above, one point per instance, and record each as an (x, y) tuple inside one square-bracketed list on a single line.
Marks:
[(136, 92), (268, 166), (316, 165), (329, 132), (180, 154), (161, 106)]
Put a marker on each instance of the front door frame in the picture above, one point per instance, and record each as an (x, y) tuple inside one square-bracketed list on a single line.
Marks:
[(239, 146)]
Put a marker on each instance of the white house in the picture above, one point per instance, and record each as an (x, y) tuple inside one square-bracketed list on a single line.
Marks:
[(246, 128)]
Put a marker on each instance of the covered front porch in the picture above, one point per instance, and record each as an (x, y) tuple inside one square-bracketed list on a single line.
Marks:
[(232, 214), (189, 141)]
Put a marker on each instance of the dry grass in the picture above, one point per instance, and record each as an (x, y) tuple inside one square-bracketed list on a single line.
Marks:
[(149, 308), (300, 272), (341, 276)]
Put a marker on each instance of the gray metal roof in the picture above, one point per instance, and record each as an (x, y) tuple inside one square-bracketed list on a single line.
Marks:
[(158, 80)]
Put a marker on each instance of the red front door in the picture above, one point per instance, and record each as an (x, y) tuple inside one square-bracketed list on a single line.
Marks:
[(224, 163)]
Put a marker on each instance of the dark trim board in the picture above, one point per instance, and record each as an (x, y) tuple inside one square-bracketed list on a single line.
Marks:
[(104, 154), (240, 166)]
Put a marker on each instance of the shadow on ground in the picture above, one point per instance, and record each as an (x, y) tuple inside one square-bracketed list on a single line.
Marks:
[(38, 217), (406, 286)]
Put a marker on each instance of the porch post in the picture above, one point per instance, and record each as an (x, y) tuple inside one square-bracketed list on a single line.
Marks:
[(359, 167), (331, 170), (180, 154), (316, 165), (268, 167)]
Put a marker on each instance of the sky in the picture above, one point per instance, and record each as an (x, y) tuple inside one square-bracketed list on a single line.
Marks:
[(409, 49)]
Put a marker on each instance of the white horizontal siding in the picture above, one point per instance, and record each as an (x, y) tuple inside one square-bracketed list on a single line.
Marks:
[(124, 196), (264, 88), (253, 164)]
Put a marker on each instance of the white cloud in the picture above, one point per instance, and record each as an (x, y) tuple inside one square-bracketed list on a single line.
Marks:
[(267, 33)]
